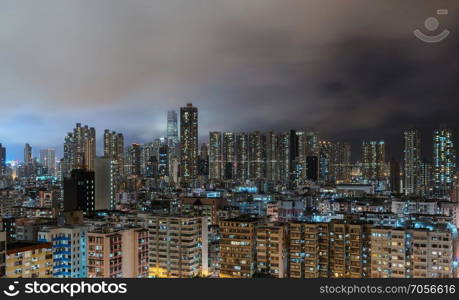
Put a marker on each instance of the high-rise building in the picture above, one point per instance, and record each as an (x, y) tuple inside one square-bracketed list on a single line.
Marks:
[(79, 191), (373, 161), (395, 180), (163, 161), (242, 156), (2, 159), (294, 154), (273, 157), (172, 129), (308, 154), (411, 161), (327, 152), (312, 168), (29, 166), (284, 156), (411, 253), (105, 172), (425, 180), (337, 249), (257, 155), (444, 157), (177, 246), (114, 148), (117, 253), (309, 250), (48, 160), (69, 250), (79, 149), (27, 154), (147, 151), (342, 163), (229, 155), (300, 164), (132, 160), (215, 155), (203, 161), (238, 247), (188, 143), (271, 241), (312, 143), (152, 167)]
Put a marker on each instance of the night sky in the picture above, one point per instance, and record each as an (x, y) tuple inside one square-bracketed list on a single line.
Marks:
[(350, 69)]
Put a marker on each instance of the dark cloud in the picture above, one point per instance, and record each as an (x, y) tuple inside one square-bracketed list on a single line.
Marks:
[(351, 69)]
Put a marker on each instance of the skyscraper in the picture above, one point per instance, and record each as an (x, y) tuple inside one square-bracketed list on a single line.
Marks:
[(203, 161), (326, 160), (188, 142), (394, 179), (411, 160), (132, 159), (147, 151), (48, 160), (283, 151), (257, 155), (425, 179), (215, 155), (172, 129), (29, 167), (79, 149), (373, 160), (229, 155), (2, 159), (312, 143), (163, 161), (242, 156), (312, 168), (342, 162), (309, 150), (272, 156), (444, 156), (114, 148), (27, 154)]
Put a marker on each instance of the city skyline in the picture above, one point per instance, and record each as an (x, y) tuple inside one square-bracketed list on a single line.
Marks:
[(350, 76), (356, 154)]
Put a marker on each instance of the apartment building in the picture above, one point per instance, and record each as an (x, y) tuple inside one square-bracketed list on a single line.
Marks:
[(309, 250), (350, 250), (271, 249), (238, 247), (178, 246), (26, 259), (338, 249), (412, 253), (69, 250), (389, 254), (117, 252)]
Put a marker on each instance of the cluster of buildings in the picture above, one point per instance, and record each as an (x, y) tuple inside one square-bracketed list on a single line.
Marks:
[(241, 205)]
